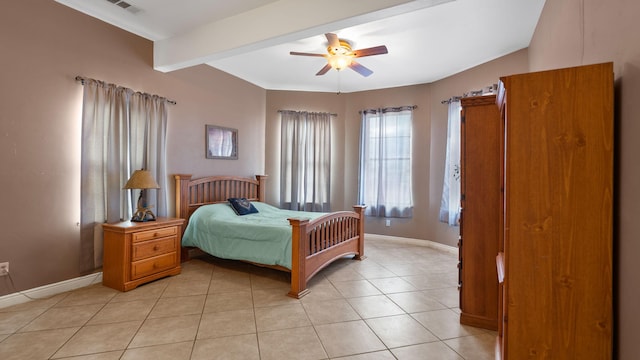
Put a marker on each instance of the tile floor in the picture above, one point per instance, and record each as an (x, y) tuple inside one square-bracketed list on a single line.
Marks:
[(401, 302)]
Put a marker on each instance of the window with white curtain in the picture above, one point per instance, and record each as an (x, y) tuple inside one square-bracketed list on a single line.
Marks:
[(305, 166), (385, 180), (450, 203), (122, 131)]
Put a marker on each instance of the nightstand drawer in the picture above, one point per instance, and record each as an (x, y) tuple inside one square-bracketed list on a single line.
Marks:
[(147, 249), (153, 265), (154, 234)]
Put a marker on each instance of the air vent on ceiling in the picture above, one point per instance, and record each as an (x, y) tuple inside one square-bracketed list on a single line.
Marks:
[(125, 5)]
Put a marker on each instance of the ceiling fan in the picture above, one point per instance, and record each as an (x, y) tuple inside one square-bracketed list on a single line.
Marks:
[(339, 55)]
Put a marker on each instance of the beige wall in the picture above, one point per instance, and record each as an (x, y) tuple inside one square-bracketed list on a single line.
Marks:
[(577, 32), (44, 46)]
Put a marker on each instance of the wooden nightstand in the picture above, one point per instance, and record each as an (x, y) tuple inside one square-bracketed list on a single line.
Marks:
[(138, 252)]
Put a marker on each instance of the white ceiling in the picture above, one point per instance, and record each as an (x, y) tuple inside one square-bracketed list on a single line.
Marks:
[(427, 39)]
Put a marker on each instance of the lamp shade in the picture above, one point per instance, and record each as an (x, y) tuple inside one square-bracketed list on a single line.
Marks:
[(141, 179)]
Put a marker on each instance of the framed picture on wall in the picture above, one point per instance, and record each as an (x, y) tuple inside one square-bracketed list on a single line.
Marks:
[(221, 142)]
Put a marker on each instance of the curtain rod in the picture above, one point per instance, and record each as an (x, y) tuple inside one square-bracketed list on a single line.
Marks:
[(332, 114), (488, 90), (387, 109), (83, 79), (451, 99)]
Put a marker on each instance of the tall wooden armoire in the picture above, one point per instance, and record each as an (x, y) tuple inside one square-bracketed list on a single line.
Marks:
[(556, 259), (480, 225)]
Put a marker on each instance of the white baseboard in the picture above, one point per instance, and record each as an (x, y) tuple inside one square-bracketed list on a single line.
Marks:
[(417, 242), (46, 291)]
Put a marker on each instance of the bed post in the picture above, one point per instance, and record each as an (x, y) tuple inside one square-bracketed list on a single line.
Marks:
[(182, 202), (298, 258), (359, 209), (182, 206), (262, 179)]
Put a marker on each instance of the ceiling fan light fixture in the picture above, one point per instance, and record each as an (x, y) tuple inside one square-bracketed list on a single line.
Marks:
[(340, 55), (339, 61)]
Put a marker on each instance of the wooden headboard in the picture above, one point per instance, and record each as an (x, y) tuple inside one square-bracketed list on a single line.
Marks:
[(191, 194)]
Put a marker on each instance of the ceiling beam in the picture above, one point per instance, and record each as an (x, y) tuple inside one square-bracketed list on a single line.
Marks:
[(273, 24)]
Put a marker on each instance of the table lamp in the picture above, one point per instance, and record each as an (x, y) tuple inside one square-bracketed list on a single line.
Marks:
[(142, 179)]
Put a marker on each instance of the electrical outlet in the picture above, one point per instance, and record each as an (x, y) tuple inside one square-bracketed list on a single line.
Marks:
[(4, 268), (387, 222)]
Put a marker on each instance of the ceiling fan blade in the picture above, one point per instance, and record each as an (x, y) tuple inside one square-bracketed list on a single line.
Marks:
[(360, 69), (324, 70), (334, 42), (306, 54), (376, 50)]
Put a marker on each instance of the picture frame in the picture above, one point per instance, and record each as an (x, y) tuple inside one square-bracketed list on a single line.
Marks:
[(221, 142)]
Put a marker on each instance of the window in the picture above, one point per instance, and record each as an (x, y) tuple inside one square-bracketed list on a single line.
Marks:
[(450, 204), (122, 131), (385, 181), (305, 164)]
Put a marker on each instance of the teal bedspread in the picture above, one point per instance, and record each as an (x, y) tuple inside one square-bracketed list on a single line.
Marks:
[(264, 237)]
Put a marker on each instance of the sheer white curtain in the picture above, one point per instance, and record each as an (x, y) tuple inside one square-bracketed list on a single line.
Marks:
[(385, 181), (450, 204), (305, 164), (122, 131)]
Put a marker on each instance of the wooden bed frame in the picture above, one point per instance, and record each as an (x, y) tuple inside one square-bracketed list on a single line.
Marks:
[(315, 244)]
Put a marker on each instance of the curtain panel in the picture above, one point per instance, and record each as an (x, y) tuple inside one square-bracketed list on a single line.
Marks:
[(450, 203), (122, 131), (385, 180), (305, 164)]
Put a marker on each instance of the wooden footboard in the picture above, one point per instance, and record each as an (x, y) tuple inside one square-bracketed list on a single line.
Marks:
[(317, 243)]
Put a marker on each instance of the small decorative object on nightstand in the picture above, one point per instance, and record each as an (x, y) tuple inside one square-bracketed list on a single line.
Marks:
[(142, 179), (138, 252)]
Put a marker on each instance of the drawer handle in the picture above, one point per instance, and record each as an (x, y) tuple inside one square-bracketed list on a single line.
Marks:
[(156, 247)]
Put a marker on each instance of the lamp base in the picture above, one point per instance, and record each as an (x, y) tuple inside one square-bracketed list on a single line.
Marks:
[(143, 215)]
